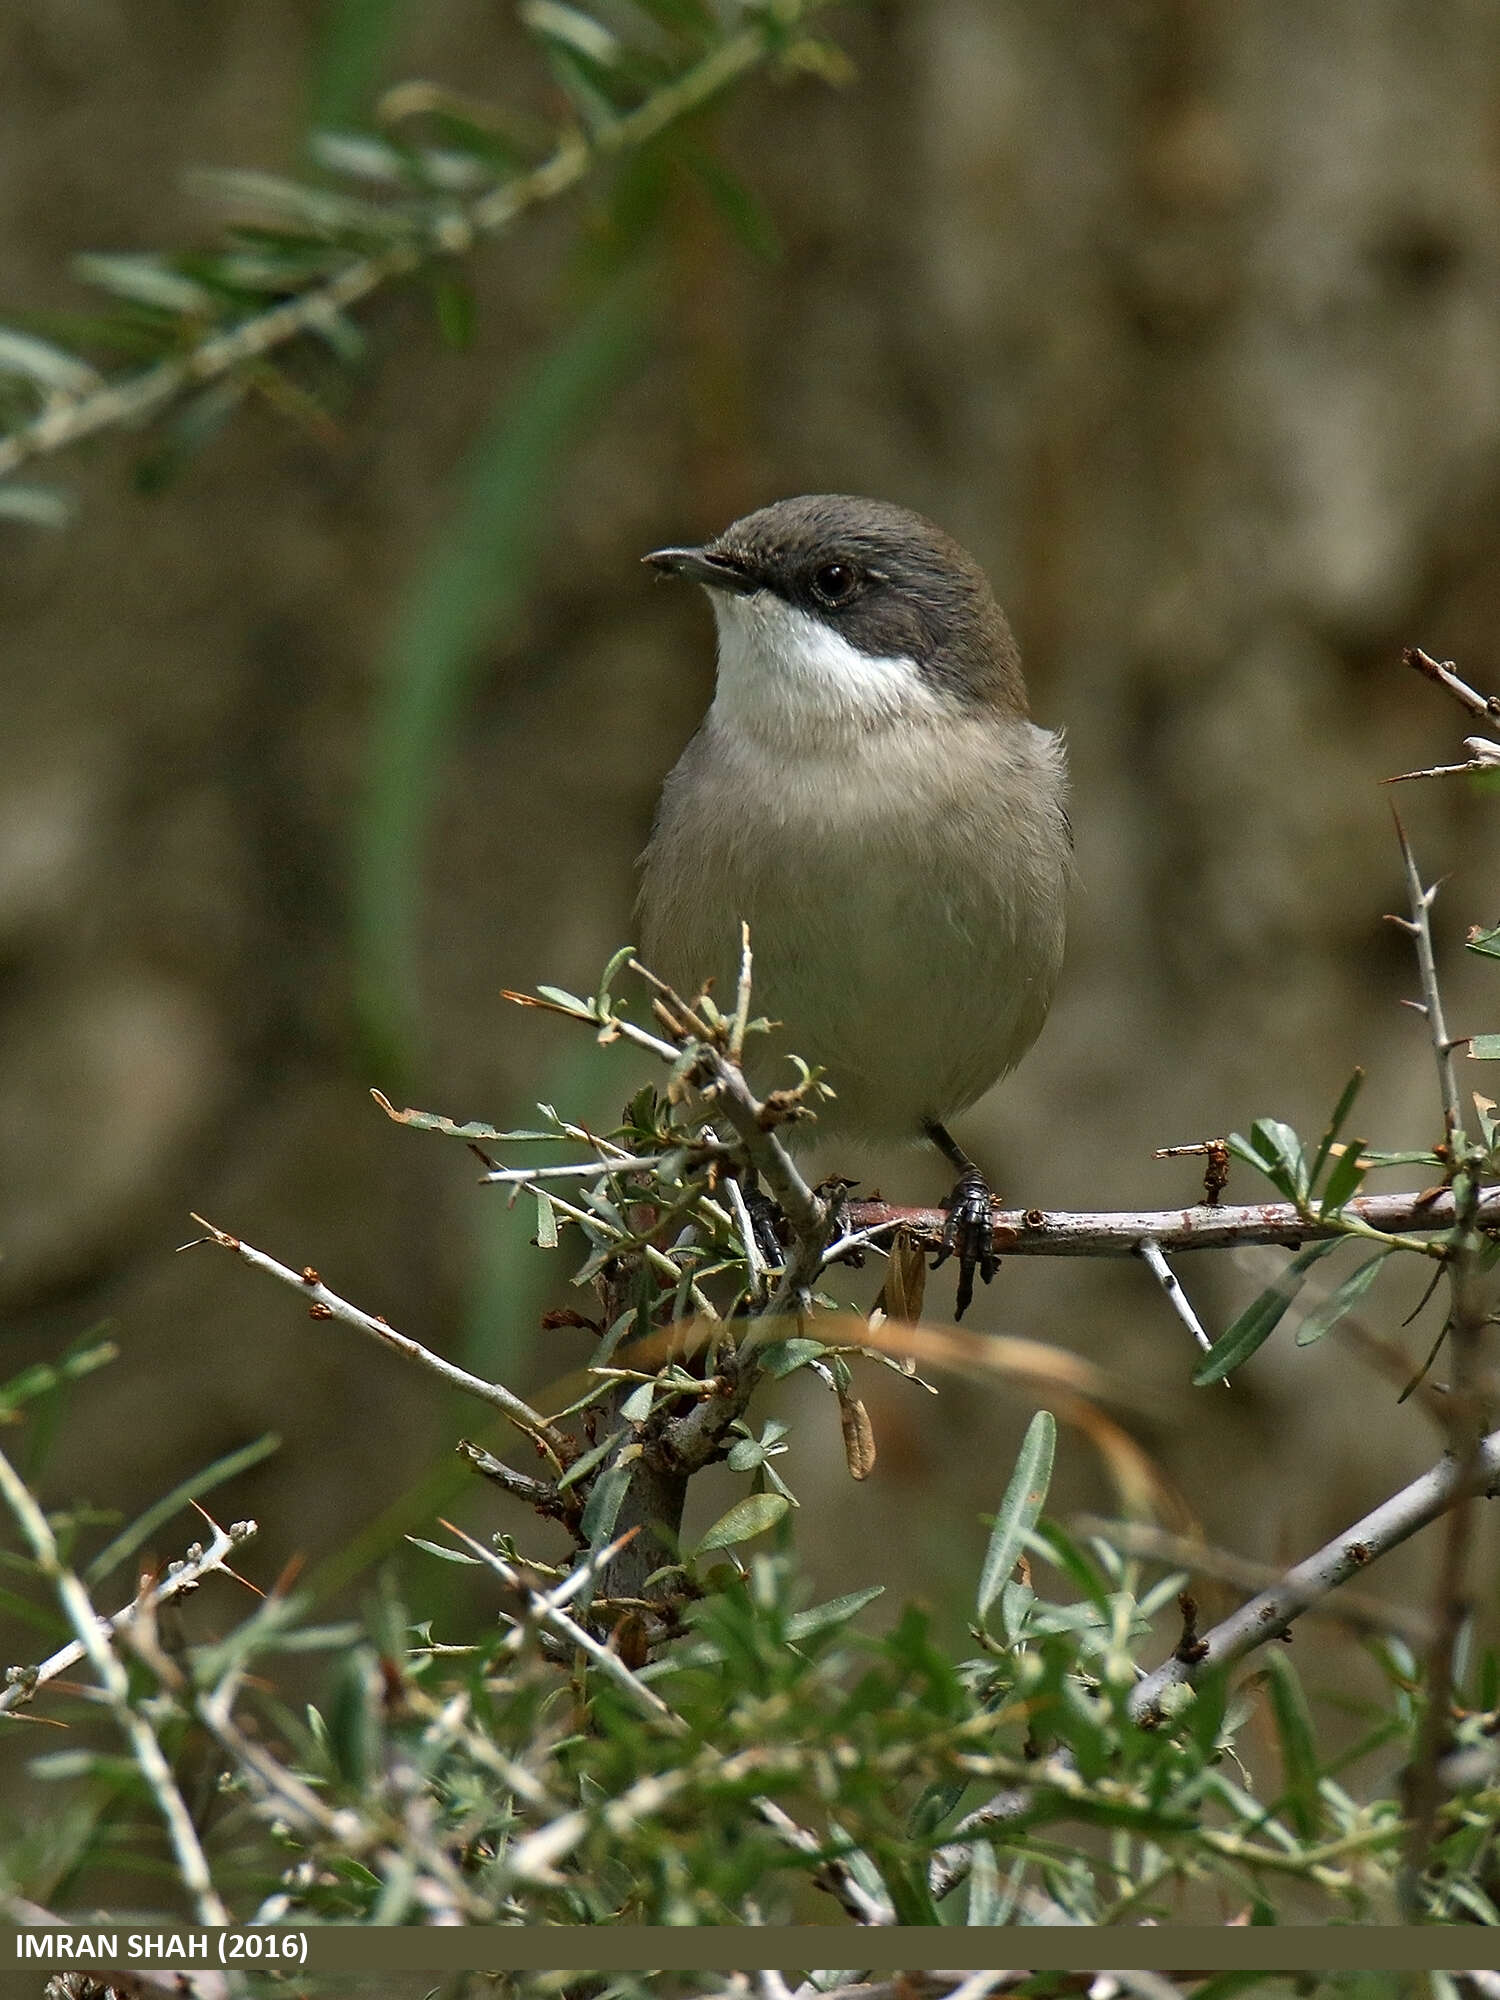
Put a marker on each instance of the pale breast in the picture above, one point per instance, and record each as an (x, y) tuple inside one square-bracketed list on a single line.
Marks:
[(905, 902)]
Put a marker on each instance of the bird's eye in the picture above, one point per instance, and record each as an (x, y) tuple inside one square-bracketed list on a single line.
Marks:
[(835, 583)]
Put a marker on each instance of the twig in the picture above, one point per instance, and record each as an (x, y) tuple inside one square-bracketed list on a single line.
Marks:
[(1468, 1318), (328, 1305), (453, 233), (1487, 707), (574, 1170), (180, 1578), (1419, 928), (754, 1264), (955, 1858), (1171, 1284), (752, 1119), (1484, 755), (740, 1019), (540, 1604), (550, 1613), (114, 1682), (1270, 1614), (832, 1874), (1036, 1232), (1352, 1607)]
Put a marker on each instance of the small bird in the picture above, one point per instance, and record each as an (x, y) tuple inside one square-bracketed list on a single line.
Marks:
[(869, 793)]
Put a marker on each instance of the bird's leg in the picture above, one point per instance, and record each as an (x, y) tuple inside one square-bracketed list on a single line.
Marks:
[(969, 1232), (767, 1220)]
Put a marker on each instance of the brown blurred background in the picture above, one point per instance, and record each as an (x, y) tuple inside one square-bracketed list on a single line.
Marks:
[(1184, 316)]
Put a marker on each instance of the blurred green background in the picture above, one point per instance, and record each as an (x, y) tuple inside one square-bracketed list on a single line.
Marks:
[(1184, 316)]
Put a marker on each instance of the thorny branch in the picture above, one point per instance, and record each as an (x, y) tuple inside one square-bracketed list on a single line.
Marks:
[(180, 1578), (328, 1305), (1418, 926), (114, 1683), (1270, 1614), (1036, 1232), (1484, 753)]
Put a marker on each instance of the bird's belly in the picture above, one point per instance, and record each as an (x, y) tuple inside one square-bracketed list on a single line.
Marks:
[(913, 964)]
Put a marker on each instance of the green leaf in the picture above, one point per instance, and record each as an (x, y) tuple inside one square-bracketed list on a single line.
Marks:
[(985, 1900), (604, 1503), (360, 156), (1228, 1985), (185, 431), (353, 44), (1019, 1509), (603, 999), (546, 1221), (582, 1467), (273, 201), (746, 218), (1416, 1158), (1343, 1182), (1486, 943), (1335, 1125), (1054, 1543), (569, 1002), (1299, 1756), (445, 1554), (805, 1625), (1342, 1301), (44, 1376), (55, 1765), (1260, 1319), (1276, 1151), (905, 1883), (37, 506), (784, 1357), (457, 314), (230, 1466), (1484, 1048), (49, 367), (637, 1405), (146, 280), (745, 1519), (576, 30)]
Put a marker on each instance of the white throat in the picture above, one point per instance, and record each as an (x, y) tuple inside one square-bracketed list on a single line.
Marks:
[(788, 678)]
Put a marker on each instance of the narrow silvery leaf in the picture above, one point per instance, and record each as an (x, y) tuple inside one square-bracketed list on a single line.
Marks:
[(1260, 1318), (1020, 1508), (1342, 1301), (146, 280), (571, 26), (747, 1518), (39, 506), (24, 354)]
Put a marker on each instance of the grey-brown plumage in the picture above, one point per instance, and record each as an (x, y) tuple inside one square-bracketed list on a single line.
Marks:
[(868, 792)]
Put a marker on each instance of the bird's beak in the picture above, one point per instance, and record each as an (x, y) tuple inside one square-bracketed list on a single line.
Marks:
[(714, 572)]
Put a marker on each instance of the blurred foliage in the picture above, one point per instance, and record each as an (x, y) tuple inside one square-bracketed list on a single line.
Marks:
[(774, 1752), (268, 312)]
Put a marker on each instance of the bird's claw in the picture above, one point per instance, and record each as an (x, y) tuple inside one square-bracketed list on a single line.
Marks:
[(969, 1235), (767, 1222)]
